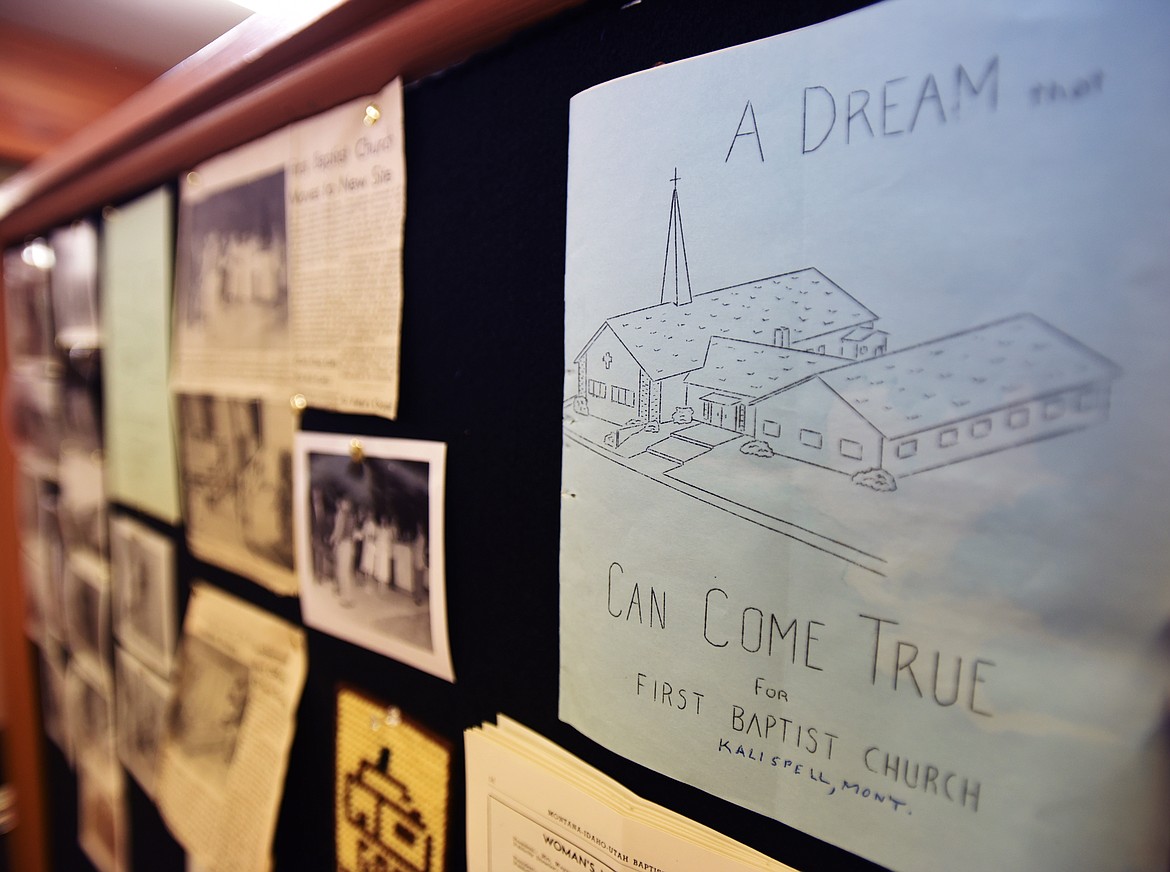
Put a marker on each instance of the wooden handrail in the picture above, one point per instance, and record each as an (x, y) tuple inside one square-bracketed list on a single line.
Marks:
[(169, 126)]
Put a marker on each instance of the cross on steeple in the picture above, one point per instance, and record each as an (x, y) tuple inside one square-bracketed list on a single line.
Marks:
[(676, 282)]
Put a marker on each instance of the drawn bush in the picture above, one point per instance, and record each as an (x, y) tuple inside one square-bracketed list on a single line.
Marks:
[(616, 437), (757, 448), (581, 405), (683, 415), (652, 427), (877, 479)]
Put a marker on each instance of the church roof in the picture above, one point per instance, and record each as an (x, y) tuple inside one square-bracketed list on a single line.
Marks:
[(753, 370), (667, 340), (966, 374)]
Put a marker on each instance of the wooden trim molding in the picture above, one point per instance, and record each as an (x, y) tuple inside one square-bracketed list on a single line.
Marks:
[(27, 847), (245, 85)]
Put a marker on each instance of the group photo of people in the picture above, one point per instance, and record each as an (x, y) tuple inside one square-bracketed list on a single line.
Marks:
[(369, 567), (232, 280), (368, 547)]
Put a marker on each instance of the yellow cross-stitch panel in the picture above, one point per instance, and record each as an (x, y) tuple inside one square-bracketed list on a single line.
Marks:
[(393, 779)]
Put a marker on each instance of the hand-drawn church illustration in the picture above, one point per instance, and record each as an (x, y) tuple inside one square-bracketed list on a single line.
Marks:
[(791, 365)]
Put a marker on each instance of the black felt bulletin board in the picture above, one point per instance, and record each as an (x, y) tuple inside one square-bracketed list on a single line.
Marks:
[(481, 370)]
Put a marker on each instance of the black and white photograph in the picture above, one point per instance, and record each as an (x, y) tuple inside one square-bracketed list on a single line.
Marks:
[(27, 303), (81, 401), (48, 551), (73, 281), (370, 527), (235, 458), (207, 707), (34, 416), (142, 571), (101, 818), (141, 705), (232, 279), (81, 508), (52, 659), (89, 712), (87, 613)]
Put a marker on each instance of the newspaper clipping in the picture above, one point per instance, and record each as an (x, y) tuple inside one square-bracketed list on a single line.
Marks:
[(289, 262), (235, 463), (228, 729)]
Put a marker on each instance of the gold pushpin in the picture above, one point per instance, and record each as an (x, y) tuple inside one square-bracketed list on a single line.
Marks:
[(192, 178), (373, 113), (393, 716), (356, 454), (298, 402)]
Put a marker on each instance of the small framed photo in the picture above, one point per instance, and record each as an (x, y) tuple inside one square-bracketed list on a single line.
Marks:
[(28, 304), (141, 704), (81, 508), (89, 712), (49, 553), (87, 613), (73, 283), (34, 416), (369, 516), (142, 569), (81, 402), (101, 818), (52, 680)]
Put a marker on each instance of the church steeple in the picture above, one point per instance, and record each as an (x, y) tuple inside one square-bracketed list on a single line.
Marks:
[(676, 275)]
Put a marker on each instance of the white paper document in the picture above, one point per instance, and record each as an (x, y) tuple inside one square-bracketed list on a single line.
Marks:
[(533, 806), (864, 480), (229, 726), (289, 263)]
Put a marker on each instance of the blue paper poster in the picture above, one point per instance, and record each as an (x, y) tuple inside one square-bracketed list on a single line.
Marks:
[(866, 395)]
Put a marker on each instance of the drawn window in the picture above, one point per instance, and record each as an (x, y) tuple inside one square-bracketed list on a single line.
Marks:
[(810, 438), (1017, 418), (621, 395), (1088, 400), (948, 437), (596, 388), (771, 428), (981, 427), (202, 416), (820, 349), (907, 449), (1053, 408), (850, 449), (864, 350)]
